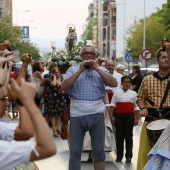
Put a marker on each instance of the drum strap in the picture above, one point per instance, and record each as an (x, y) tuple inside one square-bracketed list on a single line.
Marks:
[(165, 95)]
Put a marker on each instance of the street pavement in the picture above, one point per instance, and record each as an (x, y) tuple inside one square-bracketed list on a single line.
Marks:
[(61, 159)]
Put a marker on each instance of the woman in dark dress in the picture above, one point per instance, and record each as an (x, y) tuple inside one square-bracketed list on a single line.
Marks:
[(137, 78), (54, 100), (136, 82)]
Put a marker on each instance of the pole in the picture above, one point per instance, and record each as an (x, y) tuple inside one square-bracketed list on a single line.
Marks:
[(110, 26), (144, 28), (124, 36), (144, 32), (124, 30)]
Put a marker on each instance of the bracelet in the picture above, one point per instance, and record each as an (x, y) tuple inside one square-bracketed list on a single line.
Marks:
[(143, 108), (24, 66)]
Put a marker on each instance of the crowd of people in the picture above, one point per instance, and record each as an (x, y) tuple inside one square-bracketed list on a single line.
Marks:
[(20, 144), (83, 89)]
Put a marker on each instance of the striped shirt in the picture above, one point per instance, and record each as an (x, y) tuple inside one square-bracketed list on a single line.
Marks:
[(153, 88), (89, 86)]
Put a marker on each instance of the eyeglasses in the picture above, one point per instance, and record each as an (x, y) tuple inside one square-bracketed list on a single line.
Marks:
[(88, 54), (3, 98)]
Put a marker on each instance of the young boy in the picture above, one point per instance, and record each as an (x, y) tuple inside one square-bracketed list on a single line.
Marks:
[(122, 114)]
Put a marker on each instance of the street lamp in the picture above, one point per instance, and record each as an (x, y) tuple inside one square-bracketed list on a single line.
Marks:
[(20, 11)]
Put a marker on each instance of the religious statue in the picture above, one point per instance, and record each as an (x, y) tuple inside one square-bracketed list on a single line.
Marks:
[(53, 51), (71, 38)]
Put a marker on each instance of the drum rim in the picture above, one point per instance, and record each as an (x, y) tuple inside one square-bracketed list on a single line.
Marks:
[(154, 121)]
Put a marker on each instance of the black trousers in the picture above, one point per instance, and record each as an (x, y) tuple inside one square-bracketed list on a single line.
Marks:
[(124, 131)]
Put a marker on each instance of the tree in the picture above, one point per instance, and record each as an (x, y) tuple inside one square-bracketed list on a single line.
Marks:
[(164, 13), (155, 32), (87, 34), (14, 34)]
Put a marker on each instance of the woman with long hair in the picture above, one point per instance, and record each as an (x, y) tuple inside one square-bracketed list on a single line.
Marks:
[(136, 82), (60, 100), (36, 78), (137, 78)]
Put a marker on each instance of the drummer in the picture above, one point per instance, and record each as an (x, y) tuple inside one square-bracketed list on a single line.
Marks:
[(149, 99)]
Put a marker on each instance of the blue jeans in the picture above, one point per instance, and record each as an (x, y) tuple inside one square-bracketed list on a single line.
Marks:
[(78, 127)]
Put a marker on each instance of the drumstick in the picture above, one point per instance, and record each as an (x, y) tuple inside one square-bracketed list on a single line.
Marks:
[(156, 117)]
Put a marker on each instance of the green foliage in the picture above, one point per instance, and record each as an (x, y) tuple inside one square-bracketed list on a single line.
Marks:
[(164, 12), (155, 32), (65, 60), (87, 34), (13, 34)]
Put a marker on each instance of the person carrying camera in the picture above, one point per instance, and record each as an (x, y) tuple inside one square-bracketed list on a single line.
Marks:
[(85, 84)]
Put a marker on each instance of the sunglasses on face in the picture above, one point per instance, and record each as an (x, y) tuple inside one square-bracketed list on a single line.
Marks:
[(4, 98)]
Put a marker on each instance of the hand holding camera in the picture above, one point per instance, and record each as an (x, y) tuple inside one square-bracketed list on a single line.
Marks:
[(87, 65)]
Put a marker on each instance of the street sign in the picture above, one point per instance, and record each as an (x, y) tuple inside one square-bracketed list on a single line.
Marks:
[(128, 57), (146, 54), (25, 31), (141, 58)]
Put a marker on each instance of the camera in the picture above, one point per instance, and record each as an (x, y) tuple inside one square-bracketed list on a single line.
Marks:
[(14, 69), (6, 55), (87, 65)]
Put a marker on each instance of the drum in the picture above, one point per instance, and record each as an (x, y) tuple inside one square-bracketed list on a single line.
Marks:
[(155, 128)]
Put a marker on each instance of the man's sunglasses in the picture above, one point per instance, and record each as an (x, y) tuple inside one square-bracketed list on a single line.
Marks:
[(3, 98)]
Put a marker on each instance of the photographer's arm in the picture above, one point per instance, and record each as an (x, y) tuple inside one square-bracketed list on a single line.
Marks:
[(26, 59), (24, 130)]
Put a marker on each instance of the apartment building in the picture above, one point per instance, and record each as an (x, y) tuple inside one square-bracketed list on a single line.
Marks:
[(104, 34), (5, 8)]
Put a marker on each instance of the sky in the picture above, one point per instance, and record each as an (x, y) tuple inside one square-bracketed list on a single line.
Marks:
[(48, 19)]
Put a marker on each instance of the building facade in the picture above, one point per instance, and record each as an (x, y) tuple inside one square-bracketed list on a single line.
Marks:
[(5, 8), (105, 37)]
